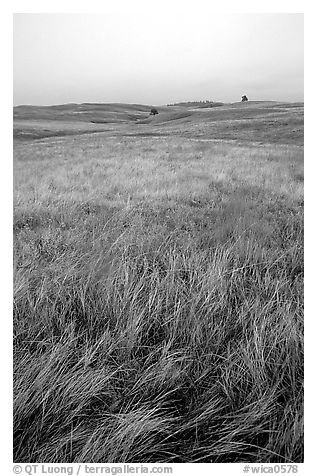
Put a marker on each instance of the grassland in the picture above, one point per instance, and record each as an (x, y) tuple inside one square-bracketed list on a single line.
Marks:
[(158, 290)]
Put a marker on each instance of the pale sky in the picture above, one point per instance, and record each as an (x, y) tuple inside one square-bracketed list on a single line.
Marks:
[(157, 56)]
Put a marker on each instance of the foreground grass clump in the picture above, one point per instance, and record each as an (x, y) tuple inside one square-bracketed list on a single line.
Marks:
[(158, 302), (175, 356)]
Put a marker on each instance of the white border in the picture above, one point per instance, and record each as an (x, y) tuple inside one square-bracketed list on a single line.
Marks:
[(105, 6)]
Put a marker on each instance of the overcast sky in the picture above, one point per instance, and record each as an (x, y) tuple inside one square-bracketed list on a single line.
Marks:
[(157, 56)]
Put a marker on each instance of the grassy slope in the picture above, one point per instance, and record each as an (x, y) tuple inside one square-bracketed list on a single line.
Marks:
[(158, 290)]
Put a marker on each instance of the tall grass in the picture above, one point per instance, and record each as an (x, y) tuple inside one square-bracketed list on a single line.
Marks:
[(158, 303)]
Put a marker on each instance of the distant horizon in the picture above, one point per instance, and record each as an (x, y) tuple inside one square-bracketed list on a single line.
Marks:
[(135, 57), (155, 104)]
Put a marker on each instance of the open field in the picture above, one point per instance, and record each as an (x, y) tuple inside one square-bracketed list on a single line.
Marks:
[(158, 290)]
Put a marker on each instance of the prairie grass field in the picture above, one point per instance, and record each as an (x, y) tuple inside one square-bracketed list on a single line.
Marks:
[(158, 284)]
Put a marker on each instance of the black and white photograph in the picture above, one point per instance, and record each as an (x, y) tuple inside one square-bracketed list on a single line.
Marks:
[(158, 237)]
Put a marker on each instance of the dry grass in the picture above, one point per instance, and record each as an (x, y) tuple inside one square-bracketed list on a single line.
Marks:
[(158, 300)]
